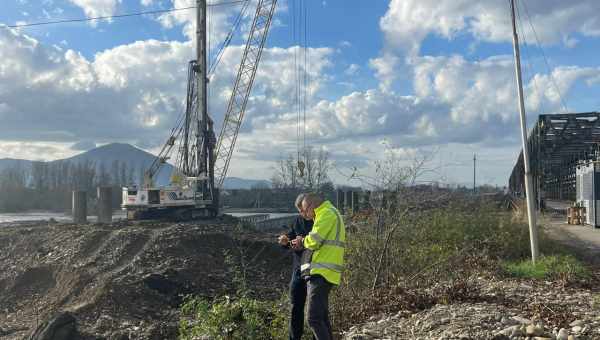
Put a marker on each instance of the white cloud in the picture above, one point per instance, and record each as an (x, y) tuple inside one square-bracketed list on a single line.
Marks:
[(219, 24), (386, 70), (146, 2), (131, 93), (408, 22), (134, 92), (97, 8), (36, 151), (352, 70), (345, 44), (456, 101)]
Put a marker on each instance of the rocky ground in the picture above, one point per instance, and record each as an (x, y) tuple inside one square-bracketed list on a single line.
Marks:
[(126, 280), (503, 309)]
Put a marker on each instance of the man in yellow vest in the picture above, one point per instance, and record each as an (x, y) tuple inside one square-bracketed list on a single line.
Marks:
[(323, 260)]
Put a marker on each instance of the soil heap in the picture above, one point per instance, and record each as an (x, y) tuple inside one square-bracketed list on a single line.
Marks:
[(126, 280)]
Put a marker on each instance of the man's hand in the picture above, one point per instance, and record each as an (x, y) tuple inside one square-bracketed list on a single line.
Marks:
[(297, 243), (283, 240)]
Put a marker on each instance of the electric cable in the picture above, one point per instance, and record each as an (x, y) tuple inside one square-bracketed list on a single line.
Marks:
[(527, 57), (563, 103), (117, 16)]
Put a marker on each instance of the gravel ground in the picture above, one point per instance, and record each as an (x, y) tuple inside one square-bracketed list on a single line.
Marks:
[(513, 310)]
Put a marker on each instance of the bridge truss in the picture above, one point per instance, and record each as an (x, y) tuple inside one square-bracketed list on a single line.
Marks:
[(556, 144)]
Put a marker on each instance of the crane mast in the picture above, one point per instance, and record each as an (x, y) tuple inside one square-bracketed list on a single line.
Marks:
[(204, 149), (202, 168)]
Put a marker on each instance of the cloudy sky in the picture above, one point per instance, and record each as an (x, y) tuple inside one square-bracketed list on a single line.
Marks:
[(415, 75)]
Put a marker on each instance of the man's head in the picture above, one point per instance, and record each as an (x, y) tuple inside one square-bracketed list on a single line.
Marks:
[(309, 203), (298, 204)]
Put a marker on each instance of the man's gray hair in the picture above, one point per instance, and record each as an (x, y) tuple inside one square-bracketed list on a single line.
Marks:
[(299, 199), (313, 198)]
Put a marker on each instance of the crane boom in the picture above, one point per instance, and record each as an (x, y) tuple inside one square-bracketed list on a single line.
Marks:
[(241, 90)]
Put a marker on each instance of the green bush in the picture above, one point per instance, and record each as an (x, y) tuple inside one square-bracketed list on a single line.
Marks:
[(557, 267), (229, 319)]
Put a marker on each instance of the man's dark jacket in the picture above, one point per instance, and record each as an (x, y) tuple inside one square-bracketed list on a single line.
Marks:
[(301, 227)]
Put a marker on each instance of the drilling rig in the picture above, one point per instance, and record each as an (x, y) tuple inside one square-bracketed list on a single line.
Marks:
[(202, 160)]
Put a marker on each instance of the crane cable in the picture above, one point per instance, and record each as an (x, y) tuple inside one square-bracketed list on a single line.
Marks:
[(300, 37), (306, 83), (296, 47), (228, 39)]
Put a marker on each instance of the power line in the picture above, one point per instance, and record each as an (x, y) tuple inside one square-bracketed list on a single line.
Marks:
[(528, 58), (545, 59), (117, 16)]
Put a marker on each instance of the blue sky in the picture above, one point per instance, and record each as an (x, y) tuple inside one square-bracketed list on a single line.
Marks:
[(422, 75)]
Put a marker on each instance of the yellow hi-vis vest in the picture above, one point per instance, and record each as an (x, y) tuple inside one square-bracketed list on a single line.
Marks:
[(327, 241)]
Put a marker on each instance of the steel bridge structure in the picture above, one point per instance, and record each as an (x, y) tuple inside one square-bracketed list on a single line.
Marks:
[(556, 144)]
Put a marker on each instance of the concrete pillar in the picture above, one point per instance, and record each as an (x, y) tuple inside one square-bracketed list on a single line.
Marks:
[(104, 204), (339, 199), (355, 201), (348, 202), (79, 206)]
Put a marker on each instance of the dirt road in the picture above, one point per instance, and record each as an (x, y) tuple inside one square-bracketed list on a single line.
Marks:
[(583, 238)]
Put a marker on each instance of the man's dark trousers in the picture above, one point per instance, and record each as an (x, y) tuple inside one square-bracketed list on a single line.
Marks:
[(298, 299), (301, 227), (318, 307)]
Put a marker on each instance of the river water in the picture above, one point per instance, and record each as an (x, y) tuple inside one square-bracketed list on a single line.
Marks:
[(62, 217)]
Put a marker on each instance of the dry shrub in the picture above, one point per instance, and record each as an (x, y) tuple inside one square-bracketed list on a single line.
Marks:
[(421, 249)]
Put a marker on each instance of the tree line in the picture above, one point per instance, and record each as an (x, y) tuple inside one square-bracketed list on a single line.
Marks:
[(48, 185)]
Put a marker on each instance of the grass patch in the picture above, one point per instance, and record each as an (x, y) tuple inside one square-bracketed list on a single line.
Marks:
[(556, 267), (226, 318)]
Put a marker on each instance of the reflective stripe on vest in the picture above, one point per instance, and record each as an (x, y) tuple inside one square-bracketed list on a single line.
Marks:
[(323, 265), (320, 240)]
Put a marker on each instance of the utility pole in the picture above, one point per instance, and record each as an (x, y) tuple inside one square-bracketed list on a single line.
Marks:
[(531, 213), (474, 161)]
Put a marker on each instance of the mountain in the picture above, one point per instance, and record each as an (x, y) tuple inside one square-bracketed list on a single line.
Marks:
[(136, 159)]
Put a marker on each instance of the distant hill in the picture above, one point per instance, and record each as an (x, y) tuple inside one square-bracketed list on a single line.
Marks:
[(14, 163), (135, 158)]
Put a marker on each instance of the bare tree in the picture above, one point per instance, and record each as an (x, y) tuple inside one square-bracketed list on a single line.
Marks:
[(286, 173), (311, 172)]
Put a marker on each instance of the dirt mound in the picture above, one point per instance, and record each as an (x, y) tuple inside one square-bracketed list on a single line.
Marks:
[(126, 280)]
